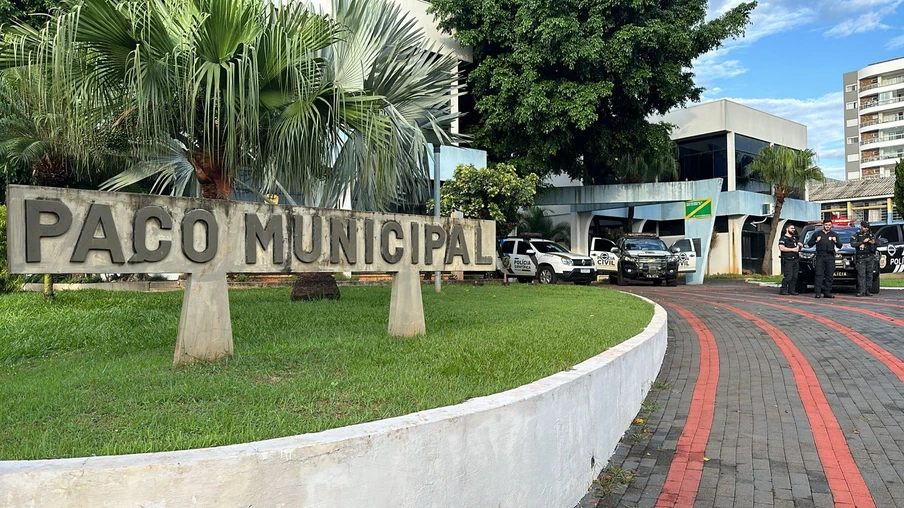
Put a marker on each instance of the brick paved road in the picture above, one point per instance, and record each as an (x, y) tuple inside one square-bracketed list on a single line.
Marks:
[(796, 402)]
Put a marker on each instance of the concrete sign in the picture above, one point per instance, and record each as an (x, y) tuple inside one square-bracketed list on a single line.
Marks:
[(54, 230)]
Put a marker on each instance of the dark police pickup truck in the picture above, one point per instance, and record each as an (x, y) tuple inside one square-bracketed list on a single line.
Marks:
[(845, 266)]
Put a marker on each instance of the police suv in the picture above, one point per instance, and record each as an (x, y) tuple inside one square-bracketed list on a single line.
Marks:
[(526, 258), (608, 254)]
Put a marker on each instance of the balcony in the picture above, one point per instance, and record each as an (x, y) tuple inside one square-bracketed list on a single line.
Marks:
[(887, 119), (884, 102), (889, 82), (882, 157), (880, 139)]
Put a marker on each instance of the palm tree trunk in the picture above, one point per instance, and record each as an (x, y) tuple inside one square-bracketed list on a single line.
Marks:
[(48, 286), (215, 184), (773, 230)]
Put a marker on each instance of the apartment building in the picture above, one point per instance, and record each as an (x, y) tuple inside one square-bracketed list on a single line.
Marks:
[(874, 119)]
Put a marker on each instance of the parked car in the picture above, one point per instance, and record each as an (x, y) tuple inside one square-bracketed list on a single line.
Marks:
[(845, 274), (527, 258), (891, 256), (642, 256)]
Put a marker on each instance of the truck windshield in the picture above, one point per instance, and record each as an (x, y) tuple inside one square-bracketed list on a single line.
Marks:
[(844, 234), (645, 244), (547, 247)]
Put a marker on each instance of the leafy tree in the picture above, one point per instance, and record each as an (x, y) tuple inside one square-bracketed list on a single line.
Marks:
[(494, 193), (25, 11), (899, 186), (536, 221), (786, 171), (654, 161), (563, 85)]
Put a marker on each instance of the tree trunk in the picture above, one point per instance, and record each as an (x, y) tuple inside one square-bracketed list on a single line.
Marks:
[(773, 230), (215, 184), (48, 286)]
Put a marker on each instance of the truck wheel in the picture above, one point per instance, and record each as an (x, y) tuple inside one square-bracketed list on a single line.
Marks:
[(621, 279), (546, 275), (612, 279), (673, 282), (657, 282), (875, 286)]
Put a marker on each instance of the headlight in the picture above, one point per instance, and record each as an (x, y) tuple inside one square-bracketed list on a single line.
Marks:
[(807, 255), (566, 261), (673, 259), (628, 259)]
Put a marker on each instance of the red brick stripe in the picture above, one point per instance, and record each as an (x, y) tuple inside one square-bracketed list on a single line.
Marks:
[(844, 478), (683, 480), (891, 361)]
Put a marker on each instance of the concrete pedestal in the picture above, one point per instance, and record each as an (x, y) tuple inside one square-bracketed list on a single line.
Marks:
[(406, 307), (205, 326)]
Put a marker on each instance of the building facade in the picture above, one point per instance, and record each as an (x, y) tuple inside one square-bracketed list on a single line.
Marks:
[(874, 119)]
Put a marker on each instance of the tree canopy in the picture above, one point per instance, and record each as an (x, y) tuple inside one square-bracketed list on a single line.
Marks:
[(565, 85), (492, 193)]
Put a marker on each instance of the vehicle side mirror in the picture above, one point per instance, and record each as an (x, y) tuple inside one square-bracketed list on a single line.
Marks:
[(615, 250), (882, 241), (676, 250), (530, 252)]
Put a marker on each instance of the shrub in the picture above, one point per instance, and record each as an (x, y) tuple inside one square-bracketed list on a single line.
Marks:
[(8, 283)]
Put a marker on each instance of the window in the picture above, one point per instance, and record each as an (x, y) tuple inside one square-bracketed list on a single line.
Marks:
[(853, 140), (523, 247), (890, 233), (507, 247), (684, 245), (601, 244), (671, 228), (704, 158), (851, 105), (850, 88), (746, 149)]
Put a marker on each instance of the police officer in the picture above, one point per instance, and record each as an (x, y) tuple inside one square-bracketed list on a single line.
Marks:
[(864, 244), (790, 249), (826, 241)]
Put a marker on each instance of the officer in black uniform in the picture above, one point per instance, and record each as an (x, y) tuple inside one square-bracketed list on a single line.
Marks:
[(864, 244), (826, 241), (789, 245)]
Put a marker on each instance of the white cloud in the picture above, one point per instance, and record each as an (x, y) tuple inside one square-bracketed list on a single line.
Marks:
[(824, 118), (843, 17), (894, 43)]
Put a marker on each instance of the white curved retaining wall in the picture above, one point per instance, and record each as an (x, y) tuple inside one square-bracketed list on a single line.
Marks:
[(528, 447)]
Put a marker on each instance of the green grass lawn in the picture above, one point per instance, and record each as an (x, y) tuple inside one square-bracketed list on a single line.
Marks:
[(91, 372)]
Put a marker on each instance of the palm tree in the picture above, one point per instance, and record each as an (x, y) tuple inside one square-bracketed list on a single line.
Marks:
[(536, 221), (39, 135), (350, 113), (232, 83), (786, 171)]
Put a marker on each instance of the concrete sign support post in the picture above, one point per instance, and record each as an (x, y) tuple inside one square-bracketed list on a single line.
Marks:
[(406, 306), (73, 231), (205, 326)]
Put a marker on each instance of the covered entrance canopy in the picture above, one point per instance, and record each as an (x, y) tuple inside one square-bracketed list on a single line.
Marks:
[(661, 201)]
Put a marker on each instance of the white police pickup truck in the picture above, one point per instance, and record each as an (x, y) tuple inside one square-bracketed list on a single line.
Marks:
[(608, 262), (548, 262)]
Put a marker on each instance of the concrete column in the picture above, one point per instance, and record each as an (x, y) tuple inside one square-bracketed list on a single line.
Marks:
[(735, 232), (406, 306), (776, 253), (732, 169), (205, 326), (580, 229)]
